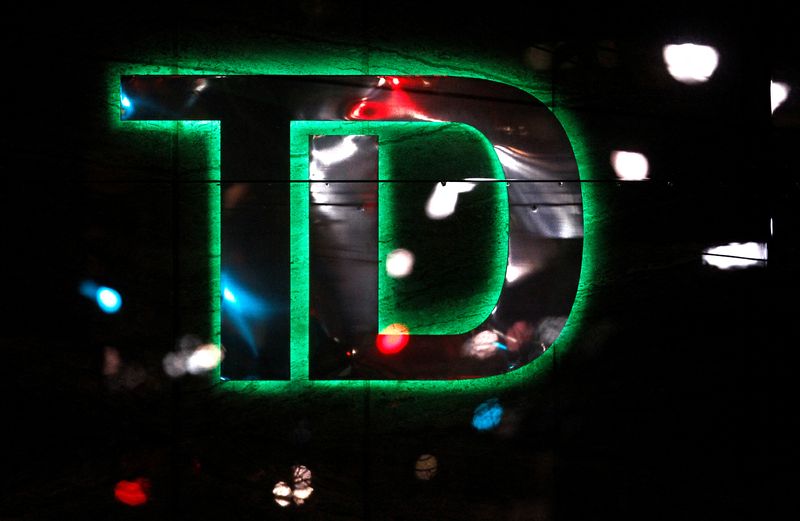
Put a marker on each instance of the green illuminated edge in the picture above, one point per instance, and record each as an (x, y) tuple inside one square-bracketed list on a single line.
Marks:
[(437, 319), (300, 131), (293, 60)]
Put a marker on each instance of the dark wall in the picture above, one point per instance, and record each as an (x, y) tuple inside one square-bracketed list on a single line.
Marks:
[(672, 402)]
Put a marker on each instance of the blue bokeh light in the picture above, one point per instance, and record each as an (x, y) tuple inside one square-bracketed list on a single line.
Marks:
[(88, 289), (487, 415), (108, 299)]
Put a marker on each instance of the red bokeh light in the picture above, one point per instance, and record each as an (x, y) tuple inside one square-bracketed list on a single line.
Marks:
[(132, 493), (392, 339)]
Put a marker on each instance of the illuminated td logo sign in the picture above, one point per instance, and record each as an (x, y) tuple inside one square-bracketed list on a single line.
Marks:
[(390, 228)]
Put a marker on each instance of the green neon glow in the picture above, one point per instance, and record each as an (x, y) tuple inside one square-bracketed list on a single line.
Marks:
[(197, 145), (421, 150), (440, 152), (331, 58)]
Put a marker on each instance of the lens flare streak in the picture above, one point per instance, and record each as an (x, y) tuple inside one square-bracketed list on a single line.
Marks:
[(240, 307)]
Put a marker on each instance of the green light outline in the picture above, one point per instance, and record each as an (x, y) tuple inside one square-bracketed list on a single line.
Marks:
[(440, 320), (299, 132), (310, 59)]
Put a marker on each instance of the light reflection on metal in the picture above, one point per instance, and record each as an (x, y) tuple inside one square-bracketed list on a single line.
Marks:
[(244, 309), (515, 271), (201, 85), (557, 201), (691, 63), (126, 106), (339, 152), (482, 345), (736, 255), (548, 329)]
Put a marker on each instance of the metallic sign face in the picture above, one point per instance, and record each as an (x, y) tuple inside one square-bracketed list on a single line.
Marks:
[(379, 227)]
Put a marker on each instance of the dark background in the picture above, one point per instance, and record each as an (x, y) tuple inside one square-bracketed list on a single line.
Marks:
[(673, 403)]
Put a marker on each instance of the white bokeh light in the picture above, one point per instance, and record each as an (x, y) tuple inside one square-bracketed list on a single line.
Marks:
[(203, 359), (778, 92), (282, 493), (736, 255), (301, 475), (174, 364), (442, 202), (301, 493), (399, 263), (691, 63), (482, 345), (630, 166)]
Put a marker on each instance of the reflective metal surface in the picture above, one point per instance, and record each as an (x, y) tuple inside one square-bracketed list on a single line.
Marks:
[(454, 201)]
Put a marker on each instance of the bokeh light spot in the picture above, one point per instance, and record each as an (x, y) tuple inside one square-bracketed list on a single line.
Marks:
[(426, 467), (736, 255), (132, 493), (108, 299), (691, 63), (630, 166), (399, 263), (282, 493), (392, 339), (487, 415), (203, 359)]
